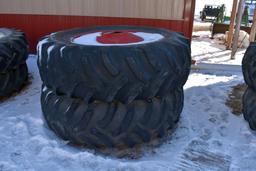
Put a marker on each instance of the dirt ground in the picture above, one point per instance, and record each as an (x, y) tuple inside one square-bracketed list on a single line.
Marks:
[(234, 101)]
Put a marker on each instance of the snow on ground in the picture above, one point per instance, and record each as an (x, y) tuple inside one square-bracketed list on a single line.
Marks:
[(1, 35), (208, 137), (208, 50)]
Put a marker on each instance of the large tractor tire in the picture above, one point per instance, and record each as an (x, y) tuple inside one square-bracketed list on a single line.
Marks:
[(249, 107), (249, 66), (72, 62), (114, 125), (13, 55)]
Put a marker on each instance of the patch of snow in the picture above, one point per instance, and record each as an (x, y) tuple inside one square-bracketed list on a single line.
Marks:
[(61, 50), (1, 35), (208, 136), (90, 39), (39, 48)]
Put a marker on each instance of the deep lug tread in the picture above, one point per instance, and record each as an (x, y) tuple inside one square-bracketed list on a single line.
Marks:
[(90, 124), (248, 66), (13, 80), (249, 107), (14, 49)]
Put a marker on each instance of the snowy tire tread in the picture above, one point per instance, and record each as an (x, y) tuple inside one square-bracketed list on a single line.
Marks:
[(111, 125), (13, 80), (13, 56), (13, 49)]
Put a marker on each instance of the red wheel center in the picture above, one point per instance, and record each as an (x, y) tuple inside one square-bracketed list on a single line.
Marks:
[(119, 37)]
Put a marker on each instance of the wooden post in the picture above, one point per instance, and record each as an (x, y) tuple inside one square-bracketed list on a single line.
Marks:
[(232, 24), (237, 28), (253, 29)]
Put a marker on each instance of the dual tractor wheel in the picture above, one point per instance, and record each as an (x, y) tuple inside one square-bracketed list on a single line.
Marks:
[(113, 86)]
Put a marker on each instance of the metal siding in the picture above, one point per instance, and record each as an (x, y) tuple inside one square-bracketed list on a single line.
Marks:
[(151, 9)]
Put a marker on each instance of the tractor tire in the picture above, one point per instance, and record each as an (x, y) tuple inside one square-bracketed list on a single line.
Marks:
[(13, 80), (249, 66), (249, 107), (101, 125), (107, 73), (13, 49), (13, 56)]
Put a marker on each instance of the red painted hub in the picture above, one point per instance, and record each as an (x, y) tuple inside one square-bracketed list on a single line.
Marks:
[(119, 37)]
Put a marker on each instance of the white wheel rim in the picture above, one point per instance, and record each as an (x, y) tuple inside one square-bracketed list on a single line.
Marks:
[(91, 39)]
